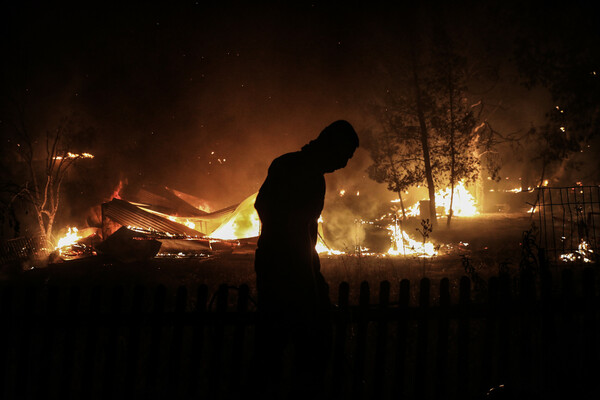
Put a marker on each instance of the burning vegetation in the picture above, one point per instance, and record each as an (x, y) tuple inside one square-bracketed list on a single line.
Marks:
[(155, 222)]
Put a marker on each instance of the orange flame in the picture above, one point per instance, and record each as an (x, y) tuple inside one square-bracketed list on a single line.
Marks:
[(69, 239), (402, 244), (463, 205), (242, 223)]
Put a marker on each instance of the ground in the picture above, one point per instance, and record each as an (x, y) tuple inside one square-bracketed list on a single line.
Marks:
[(488, 241)]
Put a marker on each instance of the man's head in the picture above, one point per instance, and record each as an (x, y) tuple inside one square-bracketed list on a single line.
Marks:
[(334, 146)]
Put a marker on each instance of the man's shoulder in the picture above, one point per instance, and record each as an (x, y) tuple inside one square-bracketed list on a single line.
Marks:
[(287, 162)]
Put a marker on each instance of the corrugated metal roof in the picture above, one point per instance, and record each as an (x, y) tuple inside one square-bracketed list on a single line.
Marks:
[(127, 214)]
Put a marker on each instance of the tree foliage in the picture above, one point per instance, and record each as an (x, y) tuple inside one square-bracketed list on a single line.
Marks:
[(436, 106), (559, 53)]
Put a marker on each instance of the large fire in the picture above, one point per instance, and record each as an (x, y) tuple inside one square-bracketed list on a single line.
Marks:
[(244, 223), (463, 204)]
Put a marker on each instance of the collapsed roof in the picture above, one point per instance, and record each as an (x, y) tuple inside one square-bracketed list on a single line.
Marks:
[(163, 210)]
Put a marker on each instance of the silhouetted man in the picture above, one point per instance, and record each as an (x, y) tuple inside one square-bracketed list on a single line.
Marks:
[(293, 299)]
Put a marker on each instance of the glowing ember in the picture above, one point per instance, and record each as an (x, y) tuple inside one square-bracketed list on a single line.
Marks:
[(402, 244), (69, 239), (242, 223), (583, 253), (73, 155)]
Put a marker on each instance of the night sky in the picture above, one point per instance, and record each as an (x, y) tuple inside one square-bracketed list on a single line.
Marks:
[(201, 96)]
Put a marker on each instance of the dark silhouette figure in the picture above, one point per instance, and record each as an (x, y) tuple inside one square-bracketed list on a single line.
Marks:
[(293, 299)]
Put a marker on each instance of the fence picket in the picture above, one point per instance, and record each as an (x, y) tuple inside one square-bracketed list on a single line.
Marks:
[(463, 338), (504, 330), (442, 342), (568, 379), (358, 380), (548, 335), (381, 341), (590, 335), (422, 340), (196, 353), (111, 345), (526, 313), (132, 360), (24, 309), (487, 349), (70, 341), (544, 346), (51, 325), (398, 388), (214, 383), (238, 338), (174, 370), (6, 301), (339, 351), (152, 385)]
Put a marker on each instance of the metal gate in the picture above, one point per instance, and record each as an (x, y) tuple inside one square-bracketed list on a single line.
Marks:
[(569, 222)]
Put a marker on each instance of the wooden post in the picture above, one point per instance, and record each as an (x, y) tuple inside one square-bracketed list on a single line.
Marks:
[(339, 353), (358, 380), (504, 331), (25, 324), (176, 344), (567, 372), (132, 360), (590, 334), (422, 341), (404, 301), (441, 390), (526, 300), (238, 338), (46, 366), (196, 353), (70, 338), (381, 341), (463, 338), (113, 327), (6, 314), (214, 383), (548, 337), (156, 326), (487, 350)]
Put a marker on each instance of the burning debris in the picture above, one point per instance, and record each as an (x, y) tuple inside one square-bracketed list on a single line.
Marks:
[(75, 244), (583, 253), (153, 221), (157, 222)]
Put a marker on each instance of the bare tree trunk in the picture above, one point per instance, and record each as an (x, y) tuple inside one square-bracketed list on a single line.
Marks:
[(452, 147), (402, 205), (424, 138)]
